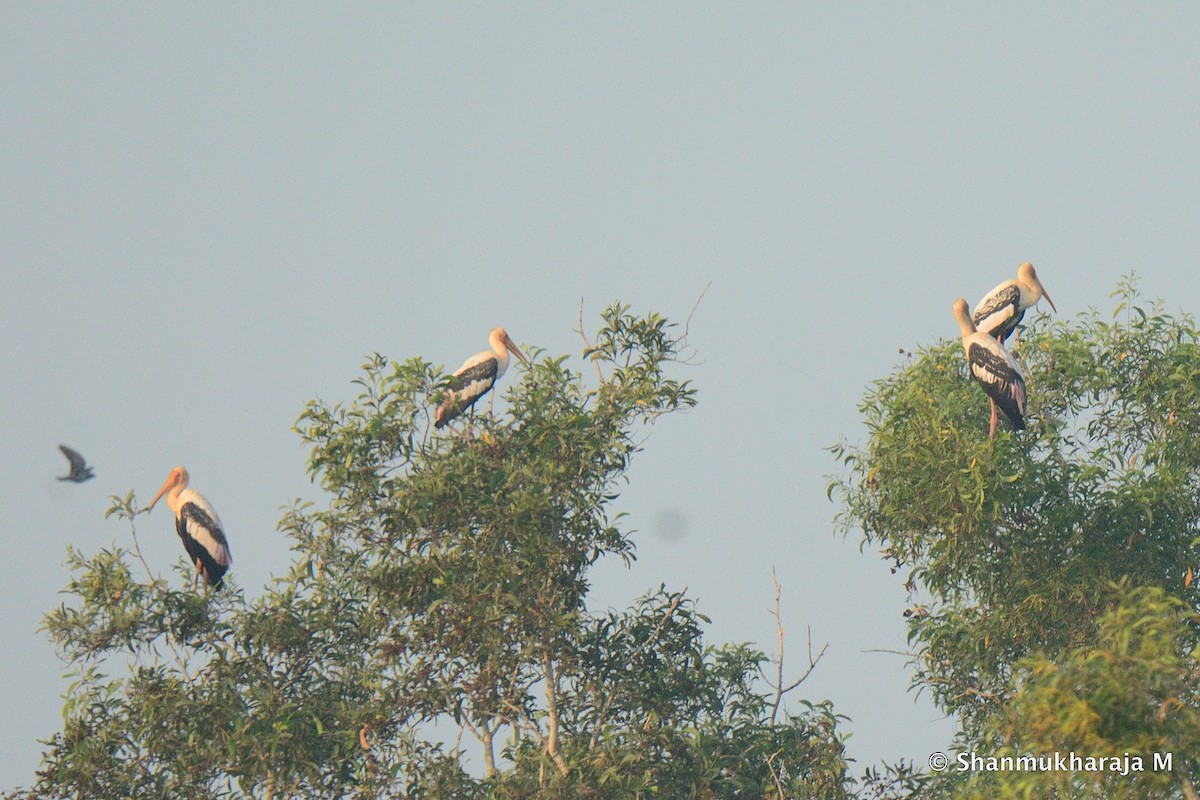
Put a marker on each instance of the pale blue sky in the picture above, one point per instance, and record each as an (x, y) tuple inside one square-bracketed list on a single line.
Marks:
[(211, 213)]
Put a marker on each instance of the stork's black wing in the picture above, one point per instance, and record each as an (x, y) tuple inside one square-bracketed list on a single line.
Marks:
[(204, 541), (482, 373), (1002, 382), (466, 386), (1000, 312)]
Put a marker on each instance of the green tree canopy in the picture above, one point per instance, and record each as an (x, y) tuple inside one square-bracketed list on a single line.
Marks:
[(1051, 568), (443, 585)]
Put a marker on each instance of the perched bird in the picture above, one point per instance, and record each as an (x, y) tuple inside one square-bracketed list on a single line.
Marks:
[(198, 526), (80, 471), (1003, 308), (477, 376), (994, 369)]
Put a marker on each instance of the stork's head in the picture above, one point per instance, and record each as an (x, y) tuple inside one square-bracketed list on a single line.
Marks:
[(177, 479), (499, 337), (1028, 275), (961, 313)]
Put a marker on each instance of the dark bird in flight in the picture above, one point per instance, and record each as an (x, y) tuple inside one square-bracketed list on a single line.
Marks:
[(80, 471)]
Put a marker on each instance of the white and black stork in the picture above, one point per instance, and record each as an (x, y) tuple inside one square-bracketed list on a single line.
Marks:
[(80, 471), (992, 368), (476, 377), (1003, 308), (198, 526)]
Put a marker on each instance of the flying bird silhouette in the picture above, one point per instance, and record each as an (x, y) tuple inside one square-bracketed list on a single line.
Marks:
[(80, 471)]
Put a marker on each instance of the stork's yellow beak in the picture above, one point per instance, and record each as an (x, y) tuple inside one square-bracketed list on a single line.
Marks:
[(516, 351)]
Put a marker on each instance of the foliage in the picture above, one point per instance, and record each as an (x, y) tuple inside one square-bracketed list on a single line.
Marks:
[(1132, 693), (443, 587), (1043, 551)]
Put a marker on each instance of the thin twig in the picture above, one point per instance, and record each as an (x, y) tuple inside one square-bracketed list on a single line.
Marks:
[(137, 549), (458, 739), (688, 322), (588, 343)]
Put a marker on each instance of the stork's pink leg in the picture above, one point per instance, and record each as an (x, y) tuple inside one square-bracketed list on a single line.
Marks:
[(992, 425)]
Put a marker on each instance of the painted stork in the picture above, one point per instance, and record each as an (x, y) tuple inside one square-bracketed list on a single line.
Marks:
[(80, 471), (198, 526), (477, 376), (1003, 308), (993, 369)]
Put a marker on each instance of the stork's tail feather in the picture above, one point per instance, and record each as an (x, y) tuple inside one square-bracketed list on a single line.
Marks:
[(1013, 413)]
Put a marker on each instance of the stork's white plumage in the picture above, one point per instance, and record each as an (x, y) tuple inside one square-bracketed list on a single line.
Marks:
[(1002, 309), (992, 368), (477, 376), (198, 526)]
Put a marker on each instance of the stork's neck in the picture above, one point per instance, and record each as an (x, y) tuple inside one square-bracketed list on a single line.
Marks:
[(966, 327), (172, 498), (501, 353), (1030, 293)]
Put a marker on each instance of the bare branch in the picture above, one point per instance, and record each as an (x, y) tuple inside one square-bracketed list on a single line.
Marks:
[(522, 723), (780, 689), (774, 774), (552, 715), (779, 660), (812, 663), (485, 736)]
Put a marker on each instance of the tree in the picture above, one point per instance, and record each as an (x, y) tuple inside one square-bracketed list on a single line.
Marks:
[(1051, 569), (444, 583)]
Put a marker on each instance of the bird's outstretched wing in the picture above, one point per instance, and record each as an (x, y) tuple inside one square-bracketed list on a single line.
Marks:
[(80, 471)]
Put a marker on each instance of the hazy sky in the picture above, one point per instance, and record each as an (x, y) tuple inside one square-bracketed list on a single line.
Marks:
[(212, 212)]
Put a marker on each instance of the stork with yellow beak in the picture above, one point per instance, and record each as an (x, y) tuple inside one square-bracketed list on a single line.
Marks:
[(477, 376), (198, 526), (1002, 309), (992, 368)]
